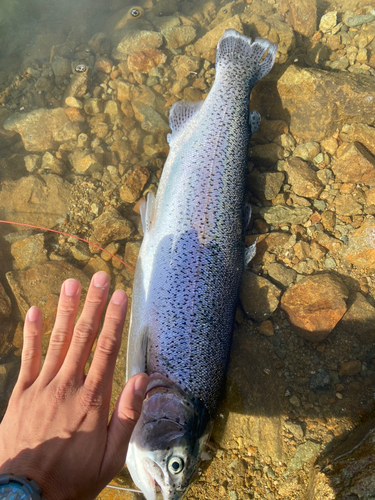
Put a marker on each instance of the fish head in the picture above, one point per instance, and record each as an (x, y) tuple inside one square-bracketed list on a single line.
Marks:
[(166, 444)]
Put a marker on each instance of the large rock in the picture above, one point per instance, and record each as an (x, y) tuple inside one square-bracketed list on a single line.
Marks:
[(111, 226), (137, 41), (307, 96), (265, 185), (301, 15), (355, 165), (132, 189), (206, 46), (179, 36), (303, 178), (359, 132), (42, 200), (361, 250), (29, 251), (40, 286), (286, 215), (360, 318), (315, 305), (42, 129), (151, 121), (259, 297)]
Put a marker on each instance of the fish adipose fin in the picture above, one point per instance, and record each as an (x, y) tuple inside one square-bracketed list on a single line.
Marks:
[(255, 58), (147, 211), (180, 115)]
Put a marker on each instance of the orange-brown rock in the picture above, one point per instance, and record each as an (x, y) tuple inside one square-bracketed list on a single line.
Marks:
[(134, 184), (362, 133), (103, 64), (145, 60), (361, 250), (350, 368), (301, 15), (315, 305), (75, 115), (354, 164)]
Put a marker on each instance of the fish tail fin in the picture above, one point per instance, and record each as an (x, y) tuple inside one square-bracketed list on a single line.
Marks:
[(256, 58)]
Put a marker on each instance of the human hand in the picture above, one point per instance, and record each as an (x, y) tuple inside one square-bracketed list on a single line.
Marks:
[(55, 430)]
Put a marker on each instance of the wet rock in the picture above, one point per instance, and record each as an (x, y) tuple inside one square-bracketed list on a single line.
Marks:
[(112, 110), (32, 162), (78, 84), (315, 305), (131, 191), (42, 201), (151, 120), (179, 36), (145, 60), (283, 215), (355, 165), (321, 380), (349, 368), (61, 68), (304, 453), (328, 21), (332, 244), (132, 249), (266, 328), (75, 115), (307, 151), (137, 41), (302, 16), (364, 134), (295, 428), (259, 297), (111, 226), (42, 129), (280, 274), (52, 164), (40, 286), (96, 264), (93, 105), (29, 251), (360, 318), (265, 186), (85, 162), (100, 44), (361, 249), (122, 149), (327, 99), (5, 304), (346, 204), (302, 178), (80, 251), (266, 154), (183, 65), (104, 64), (206, 46)]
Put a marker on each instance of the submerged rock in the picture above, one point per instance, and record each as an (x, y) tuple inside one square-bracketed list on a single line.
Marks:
[(136, 41), (315, 305), (111, 226), (42, 129), (29, 251)]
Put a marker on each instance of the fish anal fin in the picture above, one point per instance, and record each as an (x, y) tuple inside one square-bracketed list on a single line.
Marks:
[(181, 113), (147, 211)]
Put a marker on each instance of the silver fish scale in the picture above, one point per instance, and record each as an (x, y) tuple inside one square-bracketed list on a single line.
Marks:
[(199, 264)]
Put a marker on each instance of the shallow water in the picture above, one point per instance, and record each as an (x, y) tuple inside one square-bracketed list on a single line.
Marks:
[(96, 144)]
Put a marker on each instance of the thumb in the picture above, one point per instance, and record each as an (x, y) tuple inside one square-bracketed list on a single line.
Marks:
[(125, 416)]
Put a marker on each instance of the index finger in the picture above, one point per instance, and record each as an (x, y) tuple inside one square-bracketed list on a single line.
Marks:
[(99, 378)]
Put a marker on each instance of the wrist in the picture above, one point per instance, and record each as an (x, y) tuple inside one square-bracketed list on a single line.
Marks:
[(19, 487)]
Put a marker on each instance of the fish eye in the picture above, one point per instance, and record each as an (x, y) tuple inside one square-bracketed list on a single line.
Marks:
[(175, 465), (135, 13)]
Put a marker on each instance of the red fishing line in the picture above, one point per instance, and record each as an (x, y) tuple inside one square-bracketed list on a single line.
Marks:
[(71, 235)]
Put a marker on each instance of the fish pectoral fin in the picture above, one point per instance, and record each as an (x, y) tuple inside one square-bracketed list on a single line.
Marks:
[(254, 122), (147, 211), (136, 360), (250, 252), (181, 113)]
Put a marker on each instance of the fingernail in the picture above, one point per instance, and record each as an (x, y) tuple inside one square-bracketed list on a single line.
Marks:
[(140, 385), (33, 313), (71, 287), (118, 297), (100, 279)]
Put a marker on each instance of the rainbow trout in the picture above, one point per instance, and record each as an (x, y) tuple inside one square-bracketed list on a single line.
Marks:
[(189, 271)]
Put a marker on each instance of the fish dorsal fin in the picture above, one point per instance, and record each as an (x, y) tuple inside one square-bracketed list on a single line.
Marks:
[(147, 211), (181, 113)]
